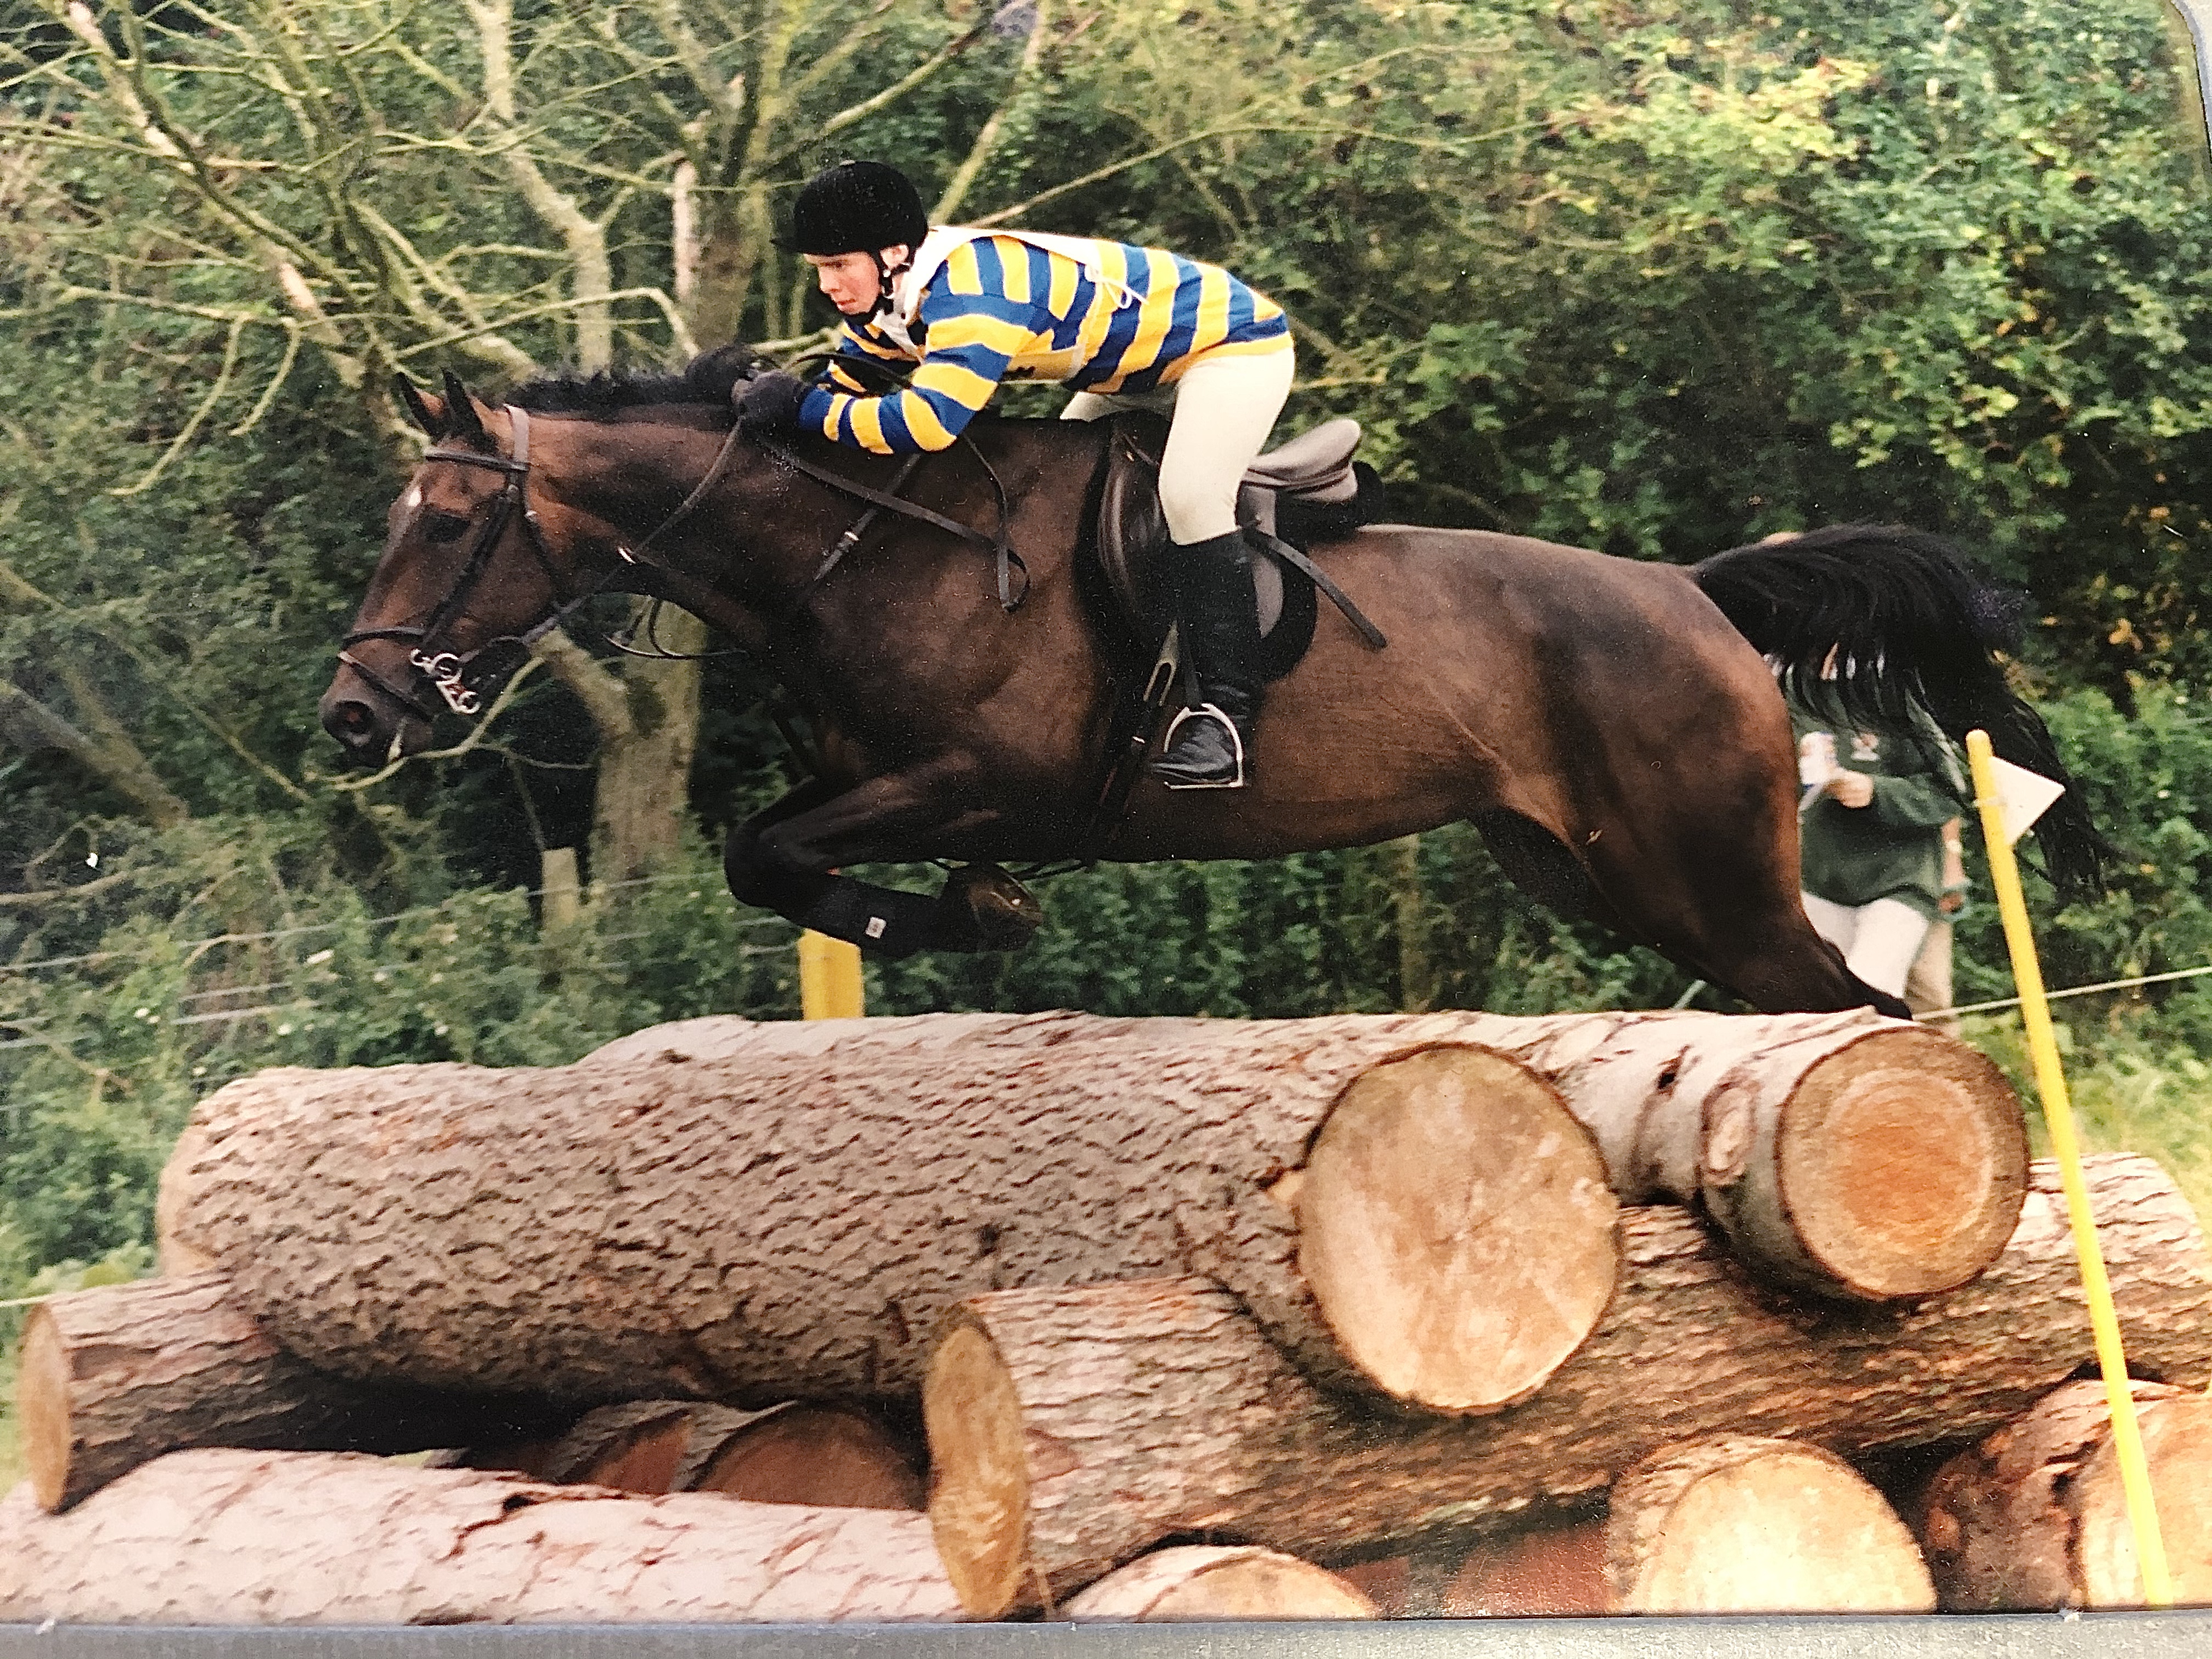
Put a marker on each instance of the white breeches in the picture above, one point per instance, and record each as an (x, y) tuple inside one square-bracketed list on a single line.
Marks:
[(1879, 940), (1219, 414)]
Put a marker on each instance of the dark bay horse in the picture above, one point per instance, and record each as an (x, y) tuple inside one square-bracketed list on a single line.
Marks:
[(1611, 726)]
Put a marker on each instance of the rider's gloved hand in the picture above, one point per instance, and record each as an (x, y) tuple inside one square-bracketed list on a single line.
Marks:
[(770, 401)]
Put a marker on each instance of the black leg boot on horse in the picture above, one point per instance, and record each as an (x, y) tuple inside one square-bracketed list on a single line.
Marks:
[(981, 908), (1209, 744)]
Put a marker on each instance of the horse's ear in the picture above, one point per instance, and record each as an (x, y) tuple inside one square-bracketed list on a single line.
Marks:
[(427, 414), (462, 420)]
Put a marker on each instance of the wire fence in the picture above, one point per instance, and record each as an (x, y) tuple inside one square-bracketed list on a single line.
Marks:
[(409, 914), (779, 936)]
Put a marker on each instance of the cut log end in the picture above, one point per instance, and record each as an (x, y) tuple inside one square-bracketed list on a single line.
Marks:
[(1198, 1582), (979, 1500), (628, 1446), (1456, 1228), (42, 1408), (815, 1456), (1903, 1160), (2176, 1439), (1759, 1527)]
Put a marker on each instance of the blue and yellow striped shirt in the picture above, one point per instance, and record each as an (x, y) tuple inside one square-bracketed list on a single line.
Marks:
[(1000, 308)]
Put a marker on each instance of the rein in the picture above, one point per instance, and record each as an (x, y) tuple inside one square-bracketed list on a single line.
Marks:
[(460, 677), (1007, 562)]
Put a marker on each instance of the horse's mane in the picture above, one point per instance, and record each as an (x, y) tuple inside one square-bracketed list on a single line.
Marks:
[(704, 382)]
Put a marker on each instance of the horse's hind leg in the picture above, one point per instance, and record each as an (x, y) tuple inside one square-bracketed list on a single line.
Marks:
[(1718, 893)]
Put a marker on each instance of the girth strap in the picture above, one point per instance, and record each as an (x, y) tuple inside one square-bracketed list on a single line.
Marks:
[(1321, 578)]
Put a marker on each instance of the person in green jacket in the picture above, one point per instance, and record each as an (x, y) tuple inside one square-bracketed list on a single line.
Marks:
[(1871, 834)]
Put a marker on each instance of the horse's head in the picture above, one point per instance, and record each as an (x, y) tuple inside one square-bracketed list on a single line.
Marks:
[(466, 584)]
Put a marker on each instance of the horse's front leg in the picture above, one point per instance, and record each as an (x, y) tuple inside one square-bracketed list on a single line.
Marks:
[(785, 858)]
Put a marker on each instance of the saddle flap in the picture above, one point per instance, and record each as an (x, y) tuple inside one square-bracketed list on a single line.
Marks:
[(1312, 478)]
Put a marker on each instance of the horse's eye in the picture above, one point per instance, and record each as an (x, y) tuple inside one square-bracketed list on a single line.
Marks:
[(443, 526)]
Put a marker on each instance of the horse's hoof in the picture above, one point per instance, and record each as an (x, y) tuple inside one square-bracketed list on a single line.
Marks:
[(984, 908)]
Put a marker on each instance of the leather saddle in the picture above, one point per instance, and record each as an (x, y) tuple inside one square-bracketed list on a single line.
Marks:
[(1307, 491)]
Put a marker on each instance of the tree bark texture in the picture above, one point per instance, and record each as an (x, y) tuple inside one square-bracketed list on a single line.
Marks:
[(110, 1379), (1751, 1524), (1203, 1580), (2035, 1516), (712, 1038), (1845, 1153), (1071, 1429), (304, 1538), (784, 1223)]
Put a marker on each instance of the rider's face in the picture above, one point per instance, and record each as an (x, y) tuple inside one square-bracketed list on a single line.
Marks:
[(852, 281)]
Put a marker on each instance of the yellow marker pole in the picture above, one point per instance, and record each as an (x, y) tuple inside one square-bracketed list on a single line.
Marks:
[(2058, 1116), (828, 978)]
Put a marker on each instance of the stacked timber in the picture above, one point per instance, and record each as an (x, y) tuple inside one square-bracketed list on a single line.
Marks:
[(782, 1223), (1070, 1428), (1450, 1313), (2034, 1517)]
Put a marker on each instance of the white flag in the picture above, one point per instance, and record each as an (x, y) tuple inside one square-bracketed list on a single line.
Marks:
[(2022, 797)]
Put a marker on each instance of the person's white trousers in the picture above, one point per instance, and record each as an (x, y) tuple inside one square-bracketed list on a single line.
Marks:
[(1219, 414), (1879, 940)]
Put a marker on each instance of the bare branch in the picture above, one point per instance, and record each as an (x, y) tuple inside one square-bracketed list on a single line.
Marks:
[(679, 331), (221, 385), (852, 114), (600, 692), (1018, 93), (31, 725), (13, 585), (586, 237)]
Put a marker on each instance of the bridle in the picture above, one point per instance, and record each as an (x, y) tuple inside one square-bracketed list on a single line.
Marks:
[(461, 678)]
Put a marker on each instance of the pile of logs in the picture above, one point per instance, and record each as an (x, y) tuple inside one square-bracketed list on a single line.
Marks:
[(1164, 1318)]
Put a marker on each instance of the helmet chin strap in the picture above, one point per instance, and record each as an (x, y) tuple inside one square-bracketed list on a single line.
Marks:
[(885, 273)]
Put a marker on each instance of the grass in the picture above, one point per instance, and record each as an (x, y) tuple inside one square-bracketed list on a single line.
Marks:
[(2127, 1098)]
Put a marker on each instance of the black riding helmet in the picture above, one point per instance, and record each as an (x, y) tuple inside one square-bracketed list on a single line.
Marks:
[(857, 207)]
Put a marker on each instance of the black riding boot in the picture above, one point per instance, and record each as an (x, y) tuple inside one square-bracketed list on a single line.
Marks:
[(1208, 745)]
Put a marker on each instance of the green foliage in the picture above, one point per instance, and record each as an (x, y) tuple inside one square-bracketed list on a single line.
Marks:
[(2130, 1095)]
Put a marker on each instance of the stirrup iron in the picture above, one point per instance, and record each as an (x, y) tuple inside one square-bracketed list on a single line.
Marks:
[(1206, 711)]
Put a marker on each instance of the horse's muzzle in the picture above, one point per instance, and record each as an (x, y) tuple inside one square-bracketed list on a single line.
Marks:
[(368, 732)]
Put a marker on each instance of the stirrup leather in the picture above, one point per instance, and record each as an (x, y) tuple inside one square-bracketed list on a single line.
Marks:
[(1212, 712)]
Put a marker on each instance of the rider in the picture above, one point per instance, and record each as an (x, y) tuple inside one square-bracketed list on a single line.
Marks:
[(1125, 326)]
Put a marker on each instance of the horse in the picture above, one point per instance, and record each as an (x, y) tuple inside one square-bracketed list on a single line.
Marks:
[(1615, 727)]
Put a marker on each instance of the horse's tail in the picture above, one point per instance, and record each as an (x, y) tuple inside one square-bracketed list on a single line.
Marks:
[(1905, 620)]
